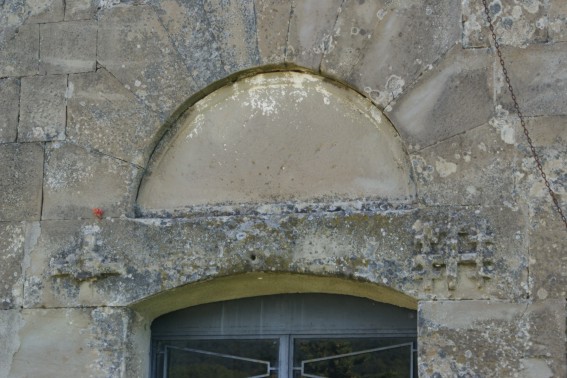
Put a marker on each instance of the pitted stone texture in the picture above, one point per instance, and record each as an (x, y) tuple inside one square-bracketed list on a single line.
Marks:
[(42, 112), (479, 167), (117, 262), (9, 109), (537, 74), (189, 28), (491, 339), (272, 21), (311, 31), (558, 21), (20, 181), (516, 23), (409, 37), (105, 116), (19, 51), (68, 47), (12, 236), (78, 180), (10, 323), (80, 9), (90, 343), (135, 48), (453, 97), (548, 266), (233, 24), (276, 137)]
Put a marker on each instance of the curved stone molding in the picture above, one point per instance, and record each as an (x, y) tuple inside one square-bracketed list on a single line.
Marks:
[(275, 137)]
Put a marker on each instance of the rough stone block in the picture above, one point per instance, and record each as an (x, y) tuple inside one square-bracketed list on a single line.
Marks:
[(538, 75), (68, 47), (490, 338), (311, 31), (272, 21), (42, 108), (135, 48), (105, 116), (9, 109), (90, 343), (78, 180), (80, 9), (474, 168), (12, 236), (187, 25), (10, 323), (19, 51), (516, 23), (234, 25), (20, 181), (453, 97), (44, 11), (426, 30), (558, 21)]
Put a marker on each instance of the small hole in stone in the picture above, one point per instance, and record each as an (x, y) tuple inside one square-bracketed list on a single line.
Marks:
[(253, 257)]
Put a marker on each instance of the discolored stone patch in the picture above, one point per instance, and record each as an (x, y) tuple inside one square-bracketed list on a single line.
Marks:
[(12, 236)]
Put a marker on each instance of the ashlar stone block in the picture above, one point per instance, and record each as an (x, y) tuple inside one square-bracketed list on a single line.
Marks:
[(44, 11), (68, 47), (188, 27), (20, 181), (19, 51), (78, 180), (538, 75), (135, 48), (408, 38), (42, 108), (9, 109), (558, 21), (272, 21), (453, 97), (233, 24), (90, 342), (478, 167), (12, 236), (10, 323), (491, 339), (80, 9), (105, 116), (311, 31)]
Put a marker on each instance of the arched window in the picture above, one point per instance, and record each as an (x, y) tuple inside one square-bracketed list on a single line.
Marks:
[(289, 335)]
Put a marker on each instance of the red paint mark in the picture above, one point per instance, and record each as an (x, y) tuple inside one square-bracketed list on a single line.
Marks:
[(98, 213)]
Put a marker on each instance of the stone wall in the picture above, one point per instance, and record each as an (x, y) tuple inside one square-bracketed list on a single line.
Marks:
[(92, 90)]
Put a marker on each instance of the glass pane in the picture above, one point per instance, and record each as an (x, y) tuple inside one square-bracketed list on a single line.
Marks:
[(353, 357), (227, 358)]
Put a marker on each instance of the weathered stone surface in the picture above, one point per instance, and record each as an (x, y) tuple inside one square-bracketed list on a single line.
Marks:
[(90, 343), (68, 47), (516, 23), (42, 112), (437, 253), (548, 266), (491, 339), (434, 109), (324, 142), (478, 167), (189, 28), (19, 51), (9, 109), (20, 181), (311, 31), (10, 323), (233, 24), (272, 21), (11, 256), (352, 34), (135, 48), (409, 37), (558, 21), (80, 9), (14, 13), (538, 74), (105, 116), (78, 180)]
